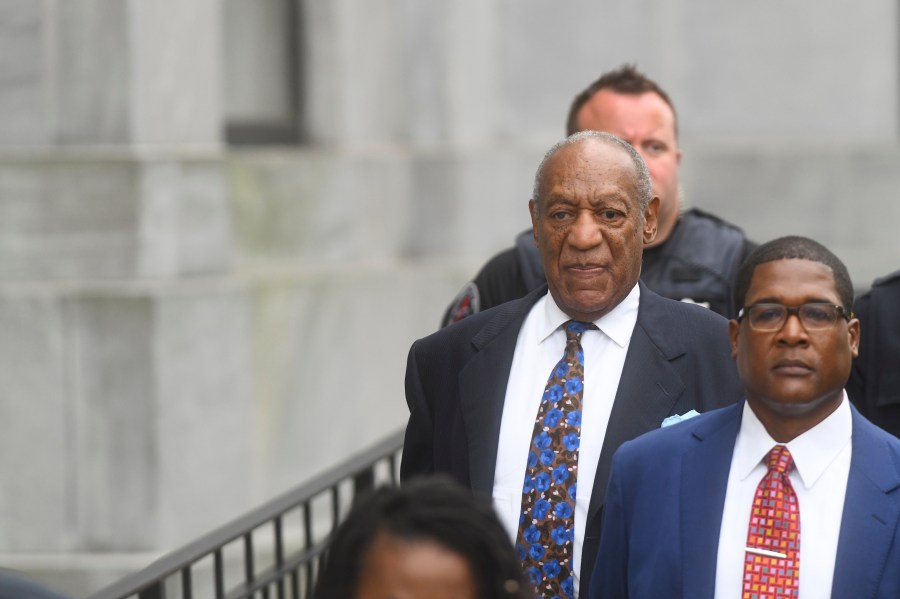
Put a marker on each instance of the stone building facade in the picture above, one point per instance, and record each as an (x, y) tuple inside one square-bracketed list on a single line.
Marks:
[(212, 210)]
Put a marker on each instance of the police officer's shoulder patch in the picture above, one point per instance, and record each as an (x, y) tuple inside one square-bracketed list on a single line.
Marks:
[(466, 303)]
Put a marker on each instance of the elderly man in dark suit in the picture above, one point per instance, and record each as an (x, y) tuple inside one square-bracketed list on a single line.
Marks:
[(789, 494), (482, 407)]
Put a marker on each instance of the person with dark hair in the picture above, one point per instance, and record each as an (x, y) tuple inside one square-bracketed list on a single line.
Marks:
[(791, 493), (694, 256), (620, 358), (874, 386), (793, 247), (428, 539)]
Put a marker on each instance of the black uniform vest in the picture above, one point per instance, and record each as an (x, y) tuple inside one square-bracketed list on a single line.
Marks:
[(698, 262), (874, 384)]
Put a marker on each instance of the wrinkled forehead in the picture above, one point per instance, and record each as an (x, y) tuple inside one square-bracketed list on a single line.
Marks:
[(589, 162)]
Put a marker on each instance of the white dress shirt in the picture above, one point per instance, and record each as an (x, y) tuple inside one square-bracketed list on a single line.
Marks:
[(539, 347), (822, 465)]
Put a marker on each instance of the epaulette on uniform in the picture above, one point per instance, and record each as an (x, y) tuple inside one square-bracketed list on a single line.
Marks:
[(714, 218), (888, 279)]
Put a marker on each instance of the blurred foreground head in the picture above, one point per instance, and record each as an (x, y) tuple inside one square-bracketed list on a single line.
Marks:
[(430, 539)]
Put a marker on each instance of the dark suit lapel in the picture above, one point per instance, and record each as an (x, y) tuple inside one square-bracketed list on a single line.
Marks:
[(870, 515), (482, 387), (704, 482), (648, 392)]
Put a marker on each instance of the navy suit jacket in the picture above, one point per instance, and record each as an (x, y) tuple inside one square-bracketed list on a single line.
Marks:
[(679, 359), (664, 511)]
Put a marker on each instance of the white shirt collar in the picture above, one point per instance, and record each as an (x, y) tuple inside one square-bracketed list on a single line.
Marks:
[(617, 324), (813, 451)]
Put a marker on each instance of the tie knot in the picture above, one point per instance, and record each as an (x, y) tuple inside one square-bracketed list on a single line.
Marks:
[(779, 459), (574, 328)]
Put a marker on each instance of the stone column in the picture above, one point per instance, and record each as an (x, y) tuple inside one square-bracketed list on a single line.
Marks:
[(124, 355)]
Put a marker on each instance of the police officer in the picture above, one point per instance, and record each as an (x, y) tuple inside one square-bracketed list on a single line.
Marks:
[(874, 385), (695, 256)]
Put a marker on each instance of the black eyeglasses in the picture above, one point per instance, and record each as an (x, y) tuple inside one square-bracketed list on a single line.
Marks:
[(814, 316)]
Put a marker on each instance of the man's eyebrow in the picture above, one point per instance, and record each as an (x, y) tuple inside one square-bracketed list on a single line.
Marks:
[(560, 198), (620, 201), (806, 300)]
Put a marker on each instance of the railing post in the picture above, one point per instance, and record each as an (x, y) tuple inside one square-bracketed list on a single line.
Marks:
[(155, 591), (363, 482)]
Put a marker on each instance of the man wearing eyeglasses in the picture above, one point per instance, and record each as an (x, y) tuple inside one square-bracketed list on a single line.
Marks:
[(789, 494)]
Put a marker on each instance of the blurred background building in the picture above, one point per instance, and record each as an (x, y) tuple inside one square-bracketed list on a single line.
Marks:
[(222, 222)]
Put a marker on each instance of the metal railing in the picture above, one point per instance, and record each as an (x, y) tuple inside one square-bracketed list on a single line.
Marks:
[(272, 551)]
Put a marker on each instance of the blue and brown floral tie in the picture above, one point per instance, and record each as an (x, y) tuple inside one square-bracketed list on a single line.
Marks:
[(547, 524)]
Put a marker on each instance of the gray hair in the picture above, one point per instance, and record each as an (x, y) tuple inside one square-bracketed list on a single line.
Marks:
[(643, 182)]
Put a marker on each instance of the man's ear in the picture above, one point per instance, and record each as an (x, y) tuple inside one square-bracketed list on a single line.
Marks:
[(650, 220), (853, 331), (532, 209), (734, 332)]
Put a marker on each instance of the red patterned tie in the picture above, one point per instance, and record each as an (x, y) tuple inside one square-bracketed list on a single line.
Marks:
[(772, 558), (547, 523)]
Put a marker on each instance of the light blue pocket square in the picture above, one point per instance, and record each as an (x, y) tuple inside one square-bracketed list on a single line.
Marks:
[(678, 418)]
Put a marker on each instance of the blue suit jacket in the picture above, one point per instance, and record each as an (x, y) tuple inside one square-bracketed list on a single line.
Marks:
[(664, 510), (678, 359)]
